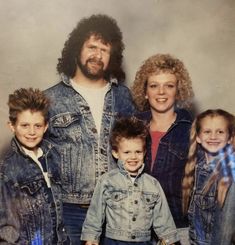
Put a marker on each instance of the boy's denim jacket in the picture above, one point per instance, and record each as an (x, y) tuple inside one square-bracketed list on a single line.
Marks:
[(130, 209), (202, 206), (25, 201), (170, 161), (85, 154)]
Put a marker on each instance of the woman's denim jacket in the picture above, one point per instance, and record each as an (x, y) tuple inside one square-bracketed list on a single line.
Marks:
[(85, 154), (26, 205), (130, 209), (202, 206), (170, 161)]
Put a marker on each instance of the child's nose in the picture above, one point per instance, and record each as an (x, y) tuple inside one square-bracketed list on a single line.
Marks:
[(31, 130)]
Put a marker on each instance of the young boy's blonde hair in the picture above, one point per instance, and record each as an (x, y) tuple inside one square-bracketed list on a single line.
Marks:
[(27, 99)]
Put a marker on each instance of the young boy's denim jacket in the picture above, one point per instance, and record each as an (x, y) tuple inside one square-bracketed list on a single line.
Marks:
[(202, 205), (130, 209), (30, 213), (170, 161), (85, 154)]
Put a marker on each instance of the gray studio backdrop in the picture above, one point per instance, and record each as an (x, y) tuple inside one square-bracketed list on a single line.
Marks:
[(201, 33)]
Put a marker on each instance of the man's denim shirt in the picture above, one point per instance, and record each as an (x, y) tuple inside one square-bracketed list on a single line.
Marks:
[(27, 208), (170, 161), (130, 209), (85, 154), (202, 206)]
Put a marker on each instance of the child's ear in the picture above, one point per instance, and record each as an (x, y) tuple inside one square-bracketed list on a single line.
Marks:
[(46, 127), (198, 140), (115, 154), (11, 126)]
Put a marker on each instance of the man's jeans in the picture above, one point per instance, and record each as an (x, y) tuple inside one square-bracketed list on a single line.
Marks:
[(74, 216)]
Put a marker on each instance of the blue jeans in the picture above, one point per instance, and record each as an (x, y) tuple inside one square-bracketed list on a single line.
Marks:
[(74, 217), (108, 241)]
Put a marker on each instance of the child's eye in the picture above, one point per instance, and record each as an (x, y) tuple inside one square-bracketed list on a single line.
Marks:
[(38, 126), (24, 125), (221, 132), (139, 152), (153, 86), (170, 85)]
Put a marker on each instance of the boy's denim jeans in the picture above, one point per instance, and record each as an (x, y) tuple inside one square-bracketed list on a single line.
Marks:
[(74, 217), (108, 241)]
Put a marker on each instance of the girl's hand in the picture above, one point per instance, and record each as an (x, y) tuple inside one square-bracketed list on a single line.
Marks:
[(91, 243)]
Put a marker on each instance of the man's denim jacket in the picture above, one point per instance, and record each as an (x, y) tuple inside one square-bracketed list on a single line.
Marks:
[(202, 206), (130, 209), (85, 154), (170, 161), (26, 204)]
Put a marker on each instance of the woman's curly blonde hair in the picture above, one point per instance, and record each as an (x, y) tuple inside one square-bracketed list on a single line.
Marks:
[(162, 63)]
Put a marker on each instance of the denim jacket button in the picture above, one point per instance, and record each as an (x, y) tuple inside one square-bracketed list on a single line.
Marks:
[(134, 219), (136, 202), (135, 184), (133, 236), (94, 130)]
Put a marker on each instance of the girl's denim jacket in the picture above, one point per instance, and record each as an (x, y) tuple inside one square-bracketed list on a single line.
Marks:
[(202, 206), (85, 154), (27, 207), (130, 209), (170, 161), (209, 223)]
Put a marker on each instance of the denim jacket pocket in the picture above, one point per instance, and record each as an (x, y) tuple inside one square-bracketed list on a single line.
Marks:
[(150, 201), (66, 123), (205, 202), (116, 198), (33, 187), (178, 150)]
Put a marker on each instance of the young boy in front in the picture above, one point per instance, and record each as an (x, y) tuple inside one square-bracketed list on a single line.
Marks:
[(30, 207), (130, 201)]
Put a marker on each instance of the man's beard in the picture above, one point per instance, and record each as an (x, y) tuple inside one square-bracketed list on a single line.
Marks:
[(89, 73)]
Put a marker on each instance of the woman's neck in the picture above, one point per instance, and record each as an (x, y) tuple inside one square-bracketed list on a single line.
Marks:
[(162, 121)]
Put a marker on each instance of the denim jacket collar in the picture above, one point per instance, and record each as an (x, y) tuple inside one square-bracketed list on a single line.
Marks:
[(66, 80), (16, 146)]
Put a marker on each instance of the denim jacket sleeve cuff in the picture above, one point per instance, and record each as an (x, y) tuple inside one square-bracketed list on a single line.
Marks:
[(90, 237), (170, 237)]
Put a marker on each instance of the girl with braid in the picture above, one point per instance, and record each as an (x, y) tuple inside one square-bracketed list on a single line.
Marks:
[(208, 184)]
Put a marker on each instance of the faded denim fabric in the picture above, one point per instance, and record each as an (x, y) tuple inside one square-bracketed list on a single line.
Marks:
[(130, 209), (223, 229), (85, 154), (202, 206), (170, 161), (30, 213)]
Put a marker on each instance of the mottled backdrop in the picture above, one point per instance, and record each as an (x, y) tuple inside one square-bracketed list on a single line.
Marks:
[(201, 33)]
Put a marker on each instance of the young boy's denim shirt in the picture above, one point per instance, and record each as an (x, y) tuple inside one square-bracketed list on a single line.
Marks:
[(202, 205), (30, 213), (130, 209), (85, 154), (170, 161)]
